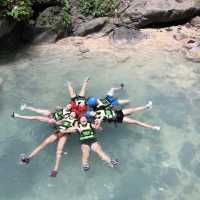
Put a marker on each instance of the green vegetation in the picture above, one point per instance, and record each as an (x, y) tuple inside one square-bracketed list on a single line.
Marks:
[(22, 10), (98, 8), (67, 16), (18, 9)]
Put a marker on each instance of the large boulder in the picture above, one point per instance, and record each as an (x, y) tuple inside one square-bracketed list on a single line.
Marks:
[(91, 26), (6, 26), (49, 26), (142, 13), (51, 18)]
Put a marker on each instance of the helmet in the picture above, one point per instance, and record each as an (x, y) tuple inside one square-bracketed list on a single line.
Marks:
[(88, 114), (92, 101)]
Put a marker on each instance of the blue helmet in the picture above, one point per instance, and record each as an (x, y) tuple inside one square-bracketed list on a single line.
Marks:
[(88, 115), (92, 101)]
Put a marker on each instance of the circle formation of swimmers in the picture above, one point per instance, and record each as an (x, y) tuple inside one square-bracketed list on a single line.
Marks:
[(83, 116)]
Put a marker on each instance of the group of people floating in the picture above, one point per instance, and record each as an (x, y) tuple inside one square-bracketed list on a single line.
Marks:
[(83, 116)]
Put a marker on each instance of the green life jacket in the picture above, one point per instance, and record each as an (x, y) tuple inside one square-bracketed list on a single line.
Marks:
[(87, 132), (103, 103), (106, 114), (67, 123), (60, 114)]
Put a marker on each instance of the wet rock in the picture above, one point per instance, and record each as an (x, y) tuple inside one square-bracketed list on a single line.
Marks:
[(142, 13), (193, 53), (125, 35), (195, 22), (48, 27), (77, 43), (168, 29), (83, 49), (6, 26), (180, 36), (91, 26), (190, 43), (46, 37)]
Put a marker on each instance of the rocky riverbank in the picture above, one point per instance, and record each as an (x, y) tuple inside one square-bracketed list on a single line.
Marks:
[(48, 24)]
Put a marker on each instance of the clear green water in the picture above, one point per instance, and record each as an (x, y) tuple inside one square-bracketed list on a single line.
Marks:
[(154, 166)]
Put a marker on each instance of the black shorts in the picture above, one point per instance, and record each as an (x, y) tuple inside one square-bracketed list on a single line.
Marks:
[(89, 142), (78, 98), (120, 116)]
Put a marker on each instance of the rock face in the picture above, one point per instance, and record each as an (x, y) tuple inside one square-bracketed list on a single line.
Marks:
[(142, 13), (48, 27), (91, 26), (6, 26)]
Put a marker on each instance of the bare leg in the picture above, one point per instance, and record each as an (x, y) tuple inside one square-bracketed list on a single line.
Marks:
[(60, 147), (52, 138), (71, 90), (133, 121), (38, 118), (84, 86), (38, 110), (137, 109), (97, 149), (112, 91), (124, 101), (129, 111), (85, 154)]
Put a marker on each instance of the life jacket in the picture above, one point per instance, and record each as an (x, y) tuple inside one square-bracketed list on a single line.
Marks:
[(67, 123), (107, 114), (103, 103), (60, 114), (87, 132)]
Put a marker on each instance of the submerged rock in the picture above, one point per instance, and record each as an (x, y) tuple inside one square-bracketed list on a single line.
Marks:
[(142, 13), (90, 26), (195, 22), (193, 52), (125, 35), (83, 49), (179, 36)]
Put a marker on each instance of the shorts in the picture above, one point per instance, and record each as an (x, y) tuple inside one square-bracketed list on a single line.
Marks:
[(78, 99), (112, 100), (119, 116), (88, 142)]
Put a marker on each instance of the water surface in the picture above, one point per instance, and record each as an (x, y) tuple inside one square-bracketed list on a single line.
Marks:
[(154, 165)]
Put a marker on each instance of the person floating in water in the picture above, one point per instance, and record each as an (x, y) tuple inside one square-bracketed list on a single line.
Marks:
[(109, 100), (88, 141), (73, 118), (60, 135), (109, 114), (78, 101)]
